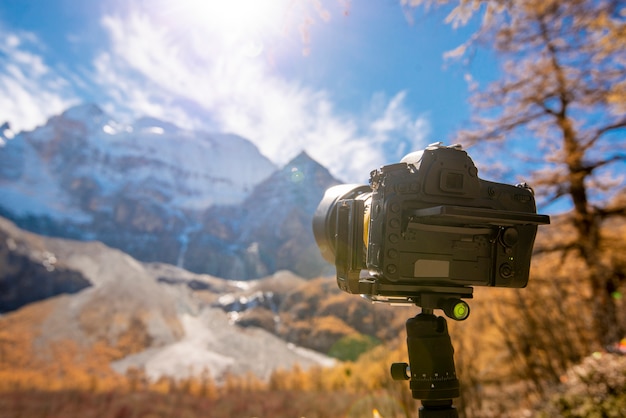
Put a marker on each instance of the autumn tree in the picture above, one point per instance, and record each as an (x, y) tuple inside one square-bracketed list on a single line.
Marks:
[(561, 99)]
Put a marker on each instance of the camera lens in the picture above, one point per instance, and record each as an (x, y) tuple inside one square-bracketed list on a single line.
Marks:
[(325, 217)]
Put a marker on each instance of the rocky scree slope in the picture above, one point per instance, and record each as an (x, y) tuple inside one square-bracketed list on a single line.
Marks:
[(163, 328)]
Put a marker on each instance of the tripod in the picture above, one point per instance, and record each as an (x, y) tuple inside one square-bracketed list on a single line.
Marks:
[(431, 372)]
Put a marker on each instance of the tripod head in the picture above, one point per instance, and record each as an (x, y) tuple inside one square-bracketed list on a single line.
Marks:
[(431, 368)]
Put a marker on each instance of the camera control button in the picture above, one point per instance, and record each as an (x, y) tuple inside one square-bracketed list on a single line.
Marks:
[(376, 211), (506, 271), (510, 236)]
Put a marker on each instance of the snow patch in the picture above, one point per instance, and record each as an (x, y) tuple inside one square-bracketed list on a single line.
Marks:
[(108, 129)]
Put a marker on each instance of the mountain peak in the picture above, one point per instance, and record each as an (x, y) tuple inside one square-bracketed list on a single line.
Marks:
[(302, 161), (302, 167), (303, 157), (83, 112), (301, 173)]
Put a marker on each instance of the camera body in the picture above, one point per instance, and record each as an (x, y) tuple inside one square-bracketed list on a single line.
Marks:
[(427, 225)]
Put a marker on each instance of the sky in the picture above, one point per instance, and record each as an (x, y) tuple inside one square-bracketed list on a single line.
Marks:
[(354, 84)]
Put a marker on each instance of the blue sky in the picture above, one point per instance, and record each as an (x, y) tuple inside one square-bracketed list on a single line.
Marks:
[(363, 85)]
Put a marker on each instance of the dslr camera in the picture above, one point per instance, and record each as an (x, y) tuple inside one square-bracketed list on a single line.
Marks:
[(426, 230)]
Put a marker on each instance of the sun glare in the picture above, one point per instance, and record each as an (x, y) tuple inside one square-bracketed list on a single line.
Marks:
[(235, 17)]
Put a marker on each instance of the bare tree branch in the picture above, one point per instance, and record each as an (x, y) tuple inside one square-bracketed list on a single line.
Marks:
[(605, 129)]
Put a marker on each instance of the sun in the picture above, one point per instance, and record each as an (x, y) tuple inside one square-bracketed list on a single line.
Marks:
[(234, 17), (244, 27)]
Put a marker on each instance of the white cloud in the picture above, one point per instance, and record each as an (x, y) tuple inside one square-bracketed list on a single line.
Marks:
[(30, 91), (156, 69), (196, 78)]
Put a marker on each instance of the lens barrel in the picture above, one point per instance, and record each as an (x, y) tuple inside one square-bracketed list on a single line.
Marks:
[(325, 217)]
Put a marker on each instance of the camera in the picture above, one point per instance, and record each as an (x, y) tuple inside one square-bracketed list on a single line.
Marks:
[(426, 230)]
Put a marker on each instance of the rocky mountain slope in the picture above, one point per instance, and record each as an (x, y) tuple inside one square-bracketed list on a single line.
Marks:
[(209, 203)]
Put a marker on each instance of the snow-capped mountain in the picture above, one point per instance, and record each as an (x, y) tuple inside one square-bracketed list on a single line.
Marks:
[(210, 202), (84, 154)]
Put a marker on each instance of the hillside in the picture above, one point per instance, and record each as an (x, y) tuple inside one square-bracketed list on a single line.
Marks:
[(122, 314)]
